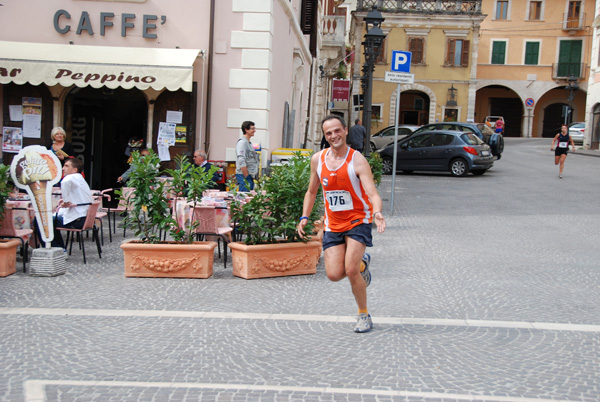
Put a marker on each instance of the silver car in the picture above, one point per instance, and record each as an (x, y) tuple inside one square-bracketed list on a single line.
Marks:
[(386, 136), (577, 132)]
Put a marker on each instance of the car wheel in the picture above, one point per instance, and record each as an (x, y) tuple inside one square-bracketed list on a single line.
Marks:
[(478, 172), (408, 171), (387, 165), (373, 149), (459, 167)]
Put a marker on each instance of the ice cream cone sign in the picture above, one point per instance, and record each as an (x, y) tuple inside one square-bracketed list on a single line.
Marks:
[(35, 169)]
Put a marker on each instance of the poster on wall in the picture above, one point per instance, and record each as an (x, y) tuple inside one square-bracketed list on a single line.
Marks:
[(166, 133), (32, 117), (12, 139), (180, 134)]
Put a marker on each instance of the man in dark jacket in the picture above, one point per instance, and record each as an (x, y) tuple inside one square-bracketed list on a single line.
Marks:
[(200, 160), (357, 136)]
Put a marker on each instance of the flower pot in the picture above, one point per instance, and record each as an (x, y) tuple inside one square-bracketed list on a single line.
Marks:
[(270, 260), (169, 259), (8, 256)]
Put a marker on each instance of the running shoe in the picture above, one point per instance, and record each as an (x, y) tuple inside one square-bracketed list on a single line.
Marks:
[(364, 323), (560, 176), (366, 274)]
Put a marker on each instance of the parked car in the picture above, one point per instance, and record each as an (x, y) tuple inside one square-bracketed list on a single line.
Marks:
[(494, 140), (440, 150), (386, 136), (577, 132)]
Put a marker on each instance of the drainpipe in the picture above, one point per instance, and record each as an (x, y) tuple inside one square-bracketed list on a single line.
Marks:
[(211, 38)]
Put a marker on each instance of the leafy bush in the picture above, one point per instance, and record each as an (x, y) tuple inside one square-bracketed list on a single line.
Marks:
[(376, 164)]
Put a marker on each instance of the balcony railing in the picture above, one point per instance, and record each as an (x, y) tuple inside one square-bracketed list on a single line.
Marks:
[(423, 6), (573, 22), (565, 70), (334, 30)]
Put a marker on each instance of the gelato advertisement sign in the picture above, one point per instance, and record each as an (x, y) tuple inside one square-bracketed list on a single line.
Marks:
[(35, 169)]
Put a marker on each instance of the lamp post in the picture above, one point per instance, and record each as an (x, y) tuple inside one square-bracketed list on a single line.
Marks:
[(572, 87), (372, 45)]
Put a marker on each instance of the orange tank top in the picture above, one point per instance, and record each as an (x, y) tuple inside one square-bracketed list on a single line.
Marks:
[(346, 203)]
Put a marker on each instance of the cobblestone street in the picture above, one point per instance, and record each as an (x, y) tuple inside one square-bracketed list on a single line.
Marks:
[(485, 288)]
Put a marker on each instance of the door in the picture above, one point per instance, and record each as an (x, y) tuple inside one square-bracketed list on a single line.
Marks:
[(569, 58), (414, 153), (441, 151)]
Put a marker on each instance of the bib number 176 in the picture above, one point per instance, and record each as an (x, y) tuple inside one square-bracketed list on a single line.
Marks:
[(339, 200)]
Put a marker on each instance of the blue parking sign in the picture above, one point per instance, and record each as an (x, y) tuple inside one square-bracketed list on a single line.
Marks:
[(401, 61)]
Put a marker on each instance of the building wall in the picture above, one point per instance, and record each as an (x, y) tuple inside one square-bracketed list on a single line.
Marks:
[(592, 122)]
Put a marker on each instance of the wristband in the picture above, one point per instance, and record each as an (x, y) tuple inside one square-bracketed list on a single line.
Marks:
[(303, 217)]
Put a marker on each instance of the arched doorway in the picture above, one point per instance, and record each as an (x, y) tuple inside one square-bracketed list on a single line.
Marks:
[(101, 122), (594, 140), (554, 117), (414, 108), (499, 100)]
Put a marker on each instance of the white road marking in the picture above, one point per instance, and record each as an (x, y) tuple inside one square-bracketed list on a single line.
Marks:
[(542, 326), (35, 390)]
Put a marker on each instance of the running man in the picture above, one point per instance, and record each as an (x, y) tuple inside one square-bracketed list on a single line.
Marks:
[(351, 203)]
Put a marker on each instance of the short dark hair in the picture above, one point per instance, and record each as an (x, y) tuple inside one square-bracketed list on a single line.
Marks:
[(331, 117), (246, 126), (356, 121), (76, 163)]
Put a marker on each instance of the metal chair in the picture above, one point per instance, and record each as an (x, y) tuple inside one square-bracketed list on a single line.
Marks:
[(122, 207), (9, 231), (206, 216), (89, 224)]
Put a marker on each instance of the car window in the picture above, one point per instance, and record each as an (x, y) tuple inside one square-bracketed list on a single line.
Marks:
[(442, 139), (578, 125), (419, 141), (388, 132), (471, 139), (465, 129)]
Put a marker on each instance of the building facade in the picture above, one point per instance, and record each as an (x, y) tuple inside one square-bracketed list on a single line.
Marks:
[(110, 71)]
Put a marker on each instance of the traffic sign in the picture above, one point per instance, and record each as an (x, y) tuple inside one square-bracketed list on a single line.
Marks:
[(401, 61), (529, 102), (399, 78)]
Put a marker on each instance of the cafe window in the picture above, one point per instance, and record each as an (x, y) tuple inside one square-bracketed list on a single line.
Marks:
[(457, 53)]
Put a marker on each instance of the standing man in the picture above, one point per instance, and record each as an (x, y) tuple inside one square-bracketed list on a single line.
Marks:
[(358, 135), (247, 160), (76, 199), (200, 161), (351, 203)]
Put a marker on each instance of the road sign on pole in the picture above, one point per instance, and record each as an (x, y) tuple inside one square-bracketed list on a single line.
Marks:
[(399, 78), (401, 61)]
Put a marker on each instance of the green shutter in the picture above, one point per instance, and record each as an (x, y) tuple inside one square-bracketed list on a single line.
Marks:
[(532, 52), (569, 58), (498, 52)]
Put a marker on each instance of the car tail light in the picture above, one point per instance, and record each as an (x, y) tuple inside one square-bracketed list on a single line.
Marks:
[(471, 150)]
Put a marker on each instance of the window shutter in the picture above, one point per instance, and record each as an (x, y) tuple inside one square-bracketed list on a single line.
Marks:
[(450, 55), (531, 53), (416, 48), (464, 59), (498, 52), (307, 16)]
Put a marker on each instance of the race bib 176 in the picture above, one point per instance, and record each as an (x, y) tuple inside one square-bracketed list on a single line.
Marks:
[(339, 200)]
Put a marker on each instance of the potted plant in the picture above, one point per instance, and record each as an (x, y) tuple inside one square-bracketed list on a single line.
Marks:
[(8, 247), (272, 246), (150, 218)]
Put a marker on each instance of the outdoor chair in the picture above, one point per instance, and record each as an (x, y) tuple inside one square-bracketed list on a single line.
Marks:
[(89, 224), (9, 231), (206, 216)]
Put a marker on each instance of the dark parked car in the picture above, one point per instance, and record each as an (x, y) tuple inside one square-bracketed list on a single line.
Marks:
[(386, 136), (494, 140), (454, 151)]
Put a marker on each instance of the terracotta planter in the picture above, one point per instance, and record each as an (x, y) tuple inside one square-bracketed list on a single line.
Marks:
[(169, 259), (8, 256), (270, 260)]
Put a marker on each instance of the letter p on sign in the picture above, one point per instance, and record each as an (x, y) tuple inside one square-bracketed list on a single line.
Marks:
[(401, 61)]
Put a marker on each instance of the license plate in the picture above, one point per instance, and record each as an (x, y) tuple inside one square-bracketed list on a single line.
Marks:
[(485, 153)]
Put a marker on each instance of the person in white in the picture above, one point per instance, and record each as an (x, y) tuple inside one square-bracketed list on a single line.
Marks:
[(76, 199)]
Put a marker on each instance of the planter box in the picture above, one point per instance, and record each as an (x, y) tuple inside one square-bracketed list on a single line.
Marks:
[(8, 256), (169, 259), (270, 260)]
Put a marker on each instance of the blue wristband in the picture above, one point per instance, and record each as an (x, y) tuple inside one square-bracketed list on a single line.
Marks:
[(303, 217)]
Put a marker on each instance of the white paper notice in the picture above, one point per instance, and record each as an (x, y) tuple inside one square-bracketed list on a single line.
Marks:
[(163, 152), (166, 133), (32, 126), (174, 116), (16, 112)]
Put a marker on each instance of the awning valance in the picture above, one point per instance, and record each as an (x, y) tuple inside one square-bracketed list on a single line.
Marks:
[(96, 66)]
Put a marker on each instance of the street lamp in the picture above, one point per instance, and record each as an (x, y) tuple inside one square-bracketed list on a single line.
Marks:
[(572, 87), (372, 45)]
